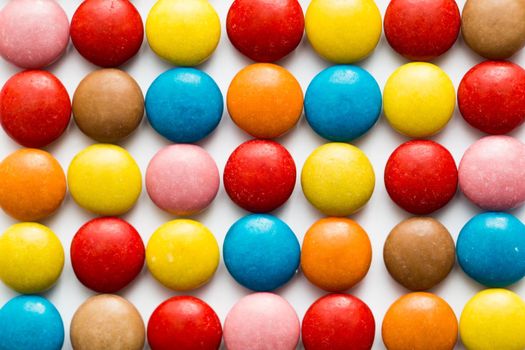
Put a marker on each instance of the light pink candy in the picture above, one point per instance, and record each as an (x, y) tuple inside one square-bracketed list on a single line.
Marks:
[(182, 179), (33, 33), (261, 321), (492, 173)]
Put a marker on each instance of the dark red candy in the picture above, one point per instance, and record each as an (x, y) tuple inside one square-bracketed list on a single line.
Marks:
[(491, 96), (184, 323), (34, 108), (338, 322), (107, 32), (107, 254), (263, 30), (421, 176)]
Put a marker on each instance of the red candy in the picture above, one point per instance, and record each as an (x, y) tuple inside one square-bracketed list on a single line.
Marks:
[(184, 323), (107, 32), (263, 30), (260, 176), (421, 176), (491, 96), (421, 30), (338, 322), (107, 254), (34, 108)]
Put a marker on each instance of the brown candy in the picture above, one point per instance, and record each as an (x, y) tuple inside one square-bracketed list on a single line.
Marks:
[(419, 253), (108, 105), (495, 29)]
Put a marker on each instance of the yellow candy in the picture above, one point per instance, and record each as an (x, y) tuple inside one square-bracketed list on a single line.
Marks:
[(104, 179), (338, 179), (494, 319), (419, 99), (31, 258), (182, 254), (183, 32), (343, 31)]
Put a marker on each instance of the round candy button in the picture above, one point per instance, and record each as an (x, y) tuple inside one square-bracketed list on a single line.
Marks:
[(107, 322), (30, 322), (265, 100), (491, 97), (185, 33), (343, 31), (184, 323), (491, 249), (32, 185), (34, 108), (107, 32), (338, 322), (421, 176), (261, 252), (336, 254), (351, 95), (182, 254), (260, 176), (107, 254), (104, 179), (184, 104), (33, 33), (338, 179), (261, 321), (420, 321), (265, 31)]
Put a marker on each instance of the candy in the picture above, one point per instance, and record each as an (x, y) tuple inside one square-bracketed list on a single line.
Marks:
[(31, 258), (338, 179), (107, 254), (104, 179), (491, 173), (265, 31), (182, 179), (30, 322), (108, 105), (421, 176), (351, 95), (261, 252), (184, 323), (33, 33), (182, 254), (491, 97), (419, 99), (338, 322), (261, 321), (422, 30), (265, 100), (32, 185), (36, 99), (336, 254), (344, 31), (420, 321), (260, 176), (185, 33), (184, 104), (491, 249), (107, 322)]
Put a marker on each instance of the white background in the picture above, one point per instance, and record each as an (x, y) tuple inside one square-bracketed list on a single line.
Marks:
[(378, 290)]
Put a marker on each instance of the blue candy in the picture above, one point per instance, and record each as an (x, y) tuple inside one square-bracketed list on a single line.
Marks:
[(30, 322), (342, 103), (184, 105), (491, 249), (261, 252)]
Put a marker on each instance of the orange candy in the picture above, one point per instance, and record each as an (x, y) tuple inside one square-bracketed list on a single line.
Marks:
[(420, 321), (265, 100), (336, 254), (32, 184)]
